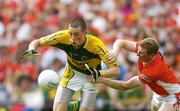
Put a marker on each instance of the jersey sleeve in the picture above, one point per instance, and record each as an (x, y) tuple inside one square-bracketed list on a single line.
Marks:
[(54, 38)]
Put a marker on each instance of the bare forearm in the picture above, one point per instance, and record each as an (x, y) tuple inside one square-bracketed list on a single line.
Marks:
[(121, 85), (111, 72), (124, 44)]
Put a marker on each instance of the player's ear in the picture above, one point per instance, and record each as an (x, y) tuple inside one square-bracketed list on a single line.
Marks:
[(85, 31), (152, 55)]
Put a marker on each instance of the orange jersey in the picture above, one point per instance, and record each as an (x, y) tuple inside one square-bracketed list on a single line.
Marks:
[(158, 76)]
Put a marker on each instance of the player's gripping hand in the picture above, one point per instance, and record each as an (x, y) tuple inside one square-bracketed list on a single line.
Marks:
[(111, 56), (95, 73), (27, 53)]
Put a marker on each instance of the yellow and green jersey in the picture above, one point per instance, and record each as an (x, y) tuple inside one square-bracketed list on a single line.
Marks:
[(91, 52)]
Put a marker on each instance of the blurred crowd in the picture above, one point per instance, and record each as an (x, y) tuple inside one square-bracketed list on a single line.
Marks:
[(21, 21)]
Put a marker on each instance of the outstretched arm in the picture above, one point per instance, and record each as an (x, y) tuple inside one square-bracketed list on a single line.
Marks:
[(121, 85), (109, 73), (124, 44), (120, 44), (31, 50), (44, 41)]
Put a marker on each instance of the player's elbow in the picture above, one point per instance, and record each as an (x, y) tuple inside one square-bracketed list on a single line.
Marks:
[(120, 42), (34, 44)]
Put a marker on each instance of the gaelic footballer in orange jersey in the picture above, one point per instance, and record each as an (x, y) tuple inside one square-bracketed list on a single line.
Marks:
[(152, 71), (158, 76)]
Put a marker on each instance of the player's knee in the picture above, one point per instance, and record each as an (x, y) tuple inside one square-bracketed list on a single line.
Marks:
[(60, 107), (85, 109), (166, 107)]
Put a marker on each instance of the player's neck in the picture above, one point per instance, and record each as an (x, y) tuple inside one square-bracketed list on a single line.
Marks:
[(149, 59), (83, 42)]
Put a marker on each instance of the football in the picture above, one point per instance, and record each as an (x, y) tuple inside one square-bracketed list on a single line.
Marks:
[(48, 79)]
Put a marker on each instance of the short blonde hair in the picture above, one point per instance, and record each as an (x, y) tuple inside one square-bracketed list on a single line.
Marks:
[(151, 45)]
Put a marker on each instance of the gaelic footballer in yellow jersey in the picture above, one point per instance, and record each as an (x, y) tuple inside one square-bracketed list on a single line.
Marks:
[(81, 48), (91, 52)]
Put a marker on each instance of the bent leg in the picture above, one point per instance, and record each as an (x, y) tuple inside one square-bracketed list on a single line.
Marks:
[(62, 98), (166, 107), (60, 107), (88, 101)]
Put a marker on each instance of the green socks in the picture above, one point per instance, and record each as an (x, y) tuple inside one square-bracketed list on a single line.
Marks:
[(74, 106)]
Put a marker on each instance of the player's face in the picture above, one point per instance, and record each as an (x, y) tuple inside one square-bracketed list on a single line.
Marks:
[(142, 53), (77, 36)]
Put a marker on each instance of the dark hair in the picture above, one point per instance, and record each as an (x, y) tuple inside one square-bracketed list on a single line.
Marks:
[(151, 45), (78, 22)]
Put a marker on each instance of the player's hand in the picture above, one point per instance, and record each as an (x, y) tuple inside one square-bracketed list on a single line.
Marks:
[(27, 53), (111, 56), (91, 79), (95, 73)]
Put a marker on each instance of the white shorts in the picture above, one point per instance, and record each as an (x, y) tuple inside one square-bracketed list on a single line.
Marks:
[(158, 100), (64, 95), (77, 82)]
